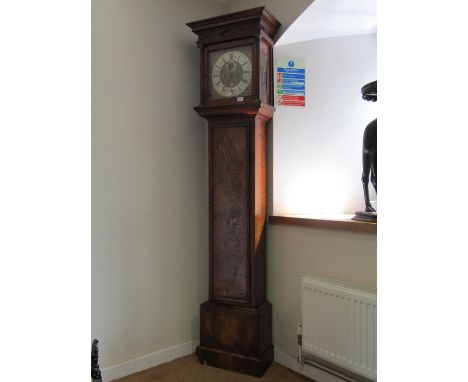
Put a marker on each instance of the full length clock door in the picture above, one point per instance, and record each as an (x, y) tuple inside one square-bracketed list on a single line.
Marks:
[(229, 179)]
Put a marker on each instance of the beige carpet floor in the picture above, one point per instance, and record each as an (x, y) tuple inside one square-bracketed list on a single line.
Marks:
[(188, 369)]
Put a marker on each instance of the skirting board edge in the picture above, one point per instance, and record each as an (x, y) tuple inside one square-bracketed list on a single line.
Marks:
[(166, 355), (148, 361), (308, 370)]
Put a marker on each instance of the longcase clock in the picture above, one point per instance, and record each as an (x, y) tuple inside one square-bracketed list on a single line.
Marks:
[(236, 97)]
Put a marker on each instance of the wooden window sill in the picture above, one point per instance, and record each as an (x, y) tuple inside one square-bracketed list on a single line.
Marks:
[(337, 222)]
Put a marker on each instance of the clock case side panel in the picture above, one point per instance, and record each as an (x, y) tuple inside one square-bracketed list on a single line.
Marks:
[(206, 75), (255, 277), (259, 203), (266, 79)]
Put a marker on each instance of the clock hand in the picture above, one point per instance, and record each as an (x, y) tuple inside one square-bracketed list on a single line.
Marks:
[(232, 73)]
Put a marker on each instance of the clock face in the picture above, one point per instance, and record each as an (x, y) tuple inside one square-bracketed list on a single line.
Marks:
[(230, 73)]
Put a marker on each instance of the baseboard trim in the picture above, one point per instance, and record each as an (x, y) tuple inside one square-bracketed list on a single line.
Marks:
[(148, 361), (308, 370)]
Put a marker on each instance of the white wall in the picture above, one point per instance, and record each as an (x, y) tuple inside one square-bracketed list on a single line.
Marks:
[(294, 252), (149, 176), (332, 18), (307, 146), (317, 161)]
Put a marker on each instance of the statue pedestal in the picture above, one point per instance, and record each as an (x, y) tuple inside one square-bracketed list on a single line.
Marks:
[(364, 216)]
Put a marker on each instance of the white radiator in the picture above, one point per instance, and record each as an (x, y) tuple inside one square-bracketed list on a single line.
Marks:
[(339, 324)]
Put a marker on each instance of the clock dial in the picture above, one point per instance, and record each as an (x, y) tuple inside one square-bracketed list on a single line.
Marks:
[(231, 73)]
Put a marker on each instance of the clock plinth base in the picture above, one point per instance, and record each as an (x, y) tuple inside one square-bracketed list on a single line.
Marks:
[(236, 338), (235, 362)]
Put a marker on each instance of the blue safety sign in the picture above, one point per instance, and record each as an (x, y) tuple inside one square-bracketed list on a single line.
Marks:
[(290, 82)]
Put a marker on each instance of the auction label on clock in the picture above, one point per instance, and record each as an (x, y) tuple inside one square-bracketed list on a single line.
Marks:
[(290, 82)]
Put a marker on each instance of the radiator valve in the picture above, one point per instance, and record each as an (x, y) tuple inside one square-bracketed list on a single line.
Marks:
[(299, 345)]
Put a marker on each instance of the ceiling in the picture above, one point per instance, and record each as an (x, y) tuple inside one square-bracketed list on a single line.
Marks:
[(332, 18)]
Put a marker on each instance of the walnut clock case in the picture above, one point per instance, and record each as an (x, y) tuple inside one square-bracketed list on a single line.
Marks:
[(236, 97)]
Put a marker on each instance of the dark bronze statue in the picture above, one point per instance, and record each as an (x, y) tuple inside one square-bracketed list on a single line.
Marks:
[(369, 156), (95, 372)]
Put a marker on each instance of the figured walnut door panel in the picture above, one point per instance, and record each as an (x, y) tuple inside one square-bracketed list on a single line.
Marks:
[(229, 179)]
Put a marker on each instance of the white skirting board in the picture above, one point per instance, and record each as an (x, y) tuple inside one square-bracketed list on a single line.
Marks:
[(148, 361), (165, 355), (307, 370)]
